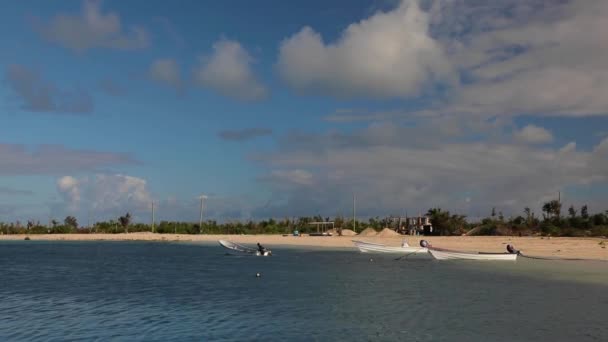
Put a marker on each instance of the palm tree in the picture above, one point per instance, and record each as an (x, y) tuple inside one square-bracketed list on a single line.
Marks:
[(572, 211), (528, 213), (440, 220), (125, 221), (70, 221), (584, 212)]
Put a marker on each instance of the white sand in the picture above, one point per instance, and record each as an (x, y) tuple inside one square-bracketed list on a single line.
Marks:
[(368, 232), (386, 232)]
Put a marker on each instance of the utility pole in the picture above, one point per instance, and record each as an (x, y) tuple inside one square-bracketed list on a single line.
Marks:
[(354, 213), (200, 221), (152, 216)]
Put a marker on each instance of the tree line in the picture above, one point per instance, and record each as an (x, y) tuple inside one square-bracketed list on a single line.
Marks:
[(577, 222)]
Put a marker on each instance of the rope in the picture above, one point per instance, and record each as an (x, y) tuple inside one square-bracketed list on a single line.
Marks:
[(408, 254)]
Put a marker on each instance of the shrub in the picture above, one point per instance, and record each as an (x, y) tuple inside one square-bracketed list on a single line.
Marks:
[(549, 229)]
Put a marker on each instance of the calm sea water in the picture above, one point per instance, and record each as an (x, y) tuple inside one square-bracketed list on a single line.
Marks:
[(125, 291)]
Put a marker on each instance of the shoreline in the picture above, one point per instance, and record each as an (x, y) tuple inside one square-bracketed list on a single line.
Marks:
[(564, 247)]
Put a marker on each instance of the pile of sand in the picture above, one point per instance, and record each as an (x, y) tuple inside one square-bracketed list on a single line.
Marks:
[(345, 232), (348, 232), (368, 232), (386, 232)]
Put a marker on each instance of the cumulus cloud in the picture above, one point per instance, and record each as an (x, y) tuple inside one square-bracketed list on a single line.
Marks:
[(228, 71), (39, 95), (405, 172), (245, 134), (529, 57), (70, 188), (510, 57), (55, 159), (105, 194), (166, 71), (390, 54), (532, 134), (93, 29)]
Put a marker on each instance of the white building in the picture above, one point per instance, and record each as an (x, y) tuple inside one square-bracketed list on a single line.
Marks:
[(419, 225)]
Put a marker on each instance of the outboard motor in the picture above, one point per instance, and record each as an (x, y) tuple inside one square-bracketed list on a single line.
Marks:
[(512, 249), (424, 244)]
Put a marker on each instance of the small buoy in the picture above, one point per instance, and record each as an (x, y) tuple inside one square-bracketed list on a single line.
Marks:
[(257, 275), (371, 260)]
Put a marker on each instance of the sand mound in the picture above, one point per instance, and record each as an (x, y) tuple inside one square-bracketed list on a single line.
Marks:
[(345, 232), (386, 232), (368, 232)]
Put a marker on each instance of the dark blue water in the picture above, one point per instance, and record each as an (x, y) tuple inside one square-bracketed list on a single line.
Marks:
[(136, 291)]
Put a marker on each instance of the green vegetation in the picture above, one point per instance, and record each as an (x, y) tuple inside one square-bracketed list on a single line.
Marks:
[(578, 222), (552, 223)]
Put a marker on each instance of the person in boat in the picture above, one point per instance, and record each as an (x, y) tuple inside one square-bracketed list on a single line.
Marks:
[(261, 249)]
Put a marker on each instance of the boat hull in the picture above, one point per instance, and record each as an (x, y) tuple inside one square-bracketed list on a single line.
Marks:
[(366, 247), (454, 255), (236, 249)]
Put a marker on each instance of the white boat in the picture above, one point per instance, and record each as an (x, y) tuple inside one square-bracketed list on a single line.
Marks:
[(235, 248), (444, 254), (368, 247)]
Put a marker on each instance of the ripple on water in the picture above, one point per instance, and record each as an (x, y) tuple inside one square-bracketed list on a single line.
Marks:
[(164, 292)]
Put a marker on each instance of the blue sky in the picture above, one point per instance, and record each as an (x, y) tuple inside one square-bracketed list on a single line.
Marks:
[(284, 109)]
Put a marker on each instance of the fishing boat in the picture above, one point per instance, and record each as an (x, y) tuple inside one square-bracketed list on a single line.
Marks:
[(446, 254), (235, 248), (368, 247)]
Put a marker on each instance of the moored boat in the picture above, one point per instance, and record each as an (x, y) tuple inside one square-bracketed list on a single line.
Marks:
[(368, 247), (446, 254), (235, 248)]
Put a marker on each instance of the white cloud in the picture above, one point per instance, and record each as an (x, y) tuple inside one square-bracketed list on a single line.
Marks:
[(407, 172), (532, 134), (93, 29), (105, 194), (290, 177), (542, 58), (166, 71), (70, 189), (387, 55), (512, 57), (228, 71)]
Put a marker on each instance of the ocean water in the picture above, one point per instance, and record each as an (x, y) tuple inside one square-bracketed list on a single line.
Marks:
[(139, 291)]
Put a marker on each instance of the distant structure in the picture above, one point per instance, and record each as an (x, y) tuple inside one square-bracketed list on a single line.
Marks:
[(419, 225), (398, 224), (322, 226)]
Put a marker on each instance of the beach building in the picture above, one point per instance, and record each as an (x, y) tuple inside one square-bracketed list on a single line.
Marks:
[(420, 225)]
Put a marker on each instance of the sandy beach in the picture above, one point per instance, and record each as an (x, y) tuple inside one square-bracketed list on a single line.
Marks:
[(585, 248)]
